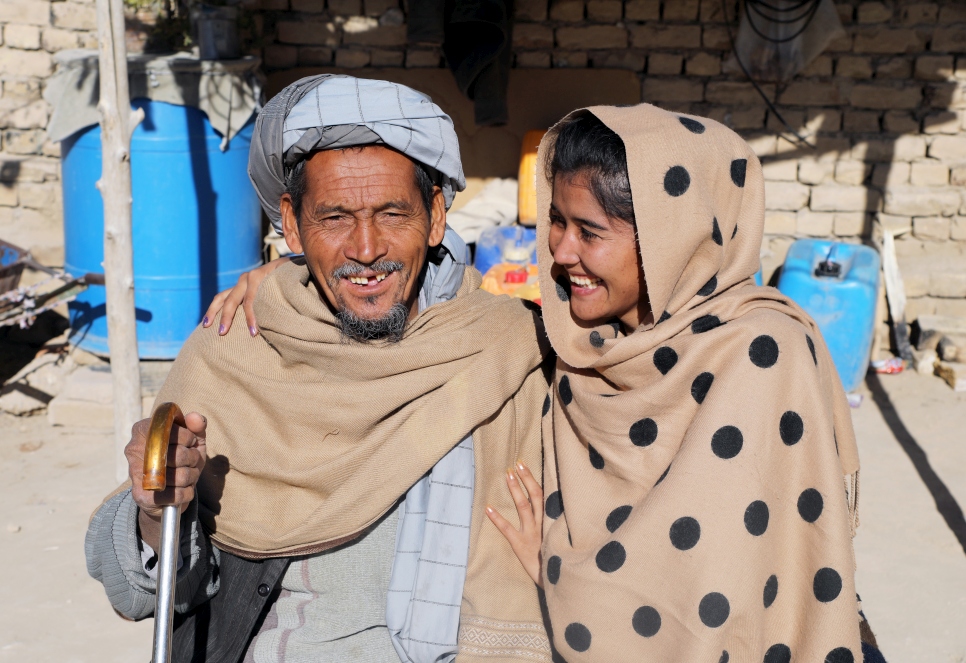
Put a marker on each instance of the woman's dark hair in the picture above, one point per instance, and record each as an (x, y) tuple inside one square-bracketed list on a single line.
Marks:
[(295, 185), (586, 146)]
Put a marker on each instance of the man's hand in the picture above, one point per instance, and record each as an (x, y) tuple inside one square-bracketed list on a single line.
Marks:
[(227, 301), (527, 540), (186, 459)]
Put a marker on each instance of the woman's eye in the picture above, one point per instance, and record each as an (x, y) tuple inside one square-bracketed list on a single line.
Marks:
[(587, 235), (556, 220)]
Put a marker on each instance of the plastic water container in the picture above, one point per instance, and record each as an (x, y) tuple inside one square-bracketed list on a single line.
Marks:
[(517, 244), (196, 225), (838, 285)]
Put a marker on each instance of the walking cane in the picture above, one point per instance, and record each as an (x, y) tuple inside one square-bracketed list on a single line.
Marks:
[(155, 469)]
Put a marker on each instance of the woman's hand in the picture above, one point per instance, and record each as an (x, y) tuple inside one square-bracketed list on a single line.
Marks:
[(525, 541), (243, 293)]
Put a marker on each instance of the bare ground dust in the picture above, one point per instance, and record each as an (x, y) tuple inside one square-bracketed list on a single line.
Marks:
[(912, 566)]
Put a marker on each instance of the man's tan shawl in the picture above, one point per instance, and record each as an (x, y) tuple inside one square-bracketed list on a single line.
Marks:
[(311, 439), (696, 506)]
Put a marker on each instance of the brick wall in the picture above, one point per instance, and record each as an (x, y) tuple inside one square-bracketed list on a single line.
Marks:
[(885, 105), (30, 197)]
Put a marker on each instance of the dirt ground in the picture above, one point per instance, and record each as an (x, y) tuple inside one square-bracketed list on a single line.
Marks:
[(909, 549)]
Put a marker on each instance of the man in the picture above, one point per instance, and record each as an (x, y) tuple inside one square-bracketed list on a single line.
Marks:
[(334, 471)]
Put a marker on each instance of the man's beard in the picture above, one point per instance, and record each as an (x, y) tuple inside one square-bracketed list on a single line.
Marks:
[(389, 327)]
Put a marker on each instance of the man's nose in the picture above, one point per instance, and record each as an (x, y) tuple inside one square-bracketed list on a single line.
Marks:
[(366, 244)]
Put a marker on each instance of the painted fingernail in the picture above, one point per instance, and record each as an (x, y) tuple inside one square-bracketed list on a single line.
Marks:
[(253, 331), (204, 321), (221, 329)]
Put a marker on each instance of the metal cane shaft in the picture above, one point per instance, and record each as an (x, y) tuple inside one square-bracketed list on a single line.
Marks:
[(167, 576), (155, 479)]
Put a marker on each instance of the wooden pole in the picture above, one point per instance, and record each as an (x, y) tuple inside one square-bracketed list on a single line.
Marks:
[(117, 124)]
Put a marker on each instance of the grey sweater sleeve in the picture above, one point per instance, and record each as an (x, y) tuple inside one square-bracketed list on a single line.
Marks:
[(113, 551)]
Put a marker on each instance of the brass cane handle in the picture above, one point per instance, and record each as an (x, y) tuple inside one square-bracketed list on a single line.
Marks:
[(156, 448)]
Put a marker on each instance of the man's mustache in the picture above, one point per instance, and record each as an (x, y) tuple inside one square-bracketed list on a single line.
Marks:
[(354, 268)]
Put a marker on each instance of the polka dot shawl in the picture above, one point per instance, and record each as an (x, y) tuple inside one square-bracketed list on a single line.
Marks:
[(696, 509)]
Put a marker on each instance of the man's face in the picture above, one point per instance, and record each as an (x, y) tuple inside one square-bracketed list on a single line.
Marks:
[(364, 230)]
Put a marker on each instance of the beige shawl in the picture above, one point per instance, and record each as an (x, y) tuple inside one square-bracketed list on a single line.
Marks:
[(311, 439), (696, 506)]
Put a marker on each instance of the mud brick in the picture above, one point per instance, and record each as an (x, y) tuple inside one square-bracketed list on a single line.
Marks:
[(703, 64), (664, 64), (861, 121), (621, 59), (921, 201), (665, 36), (785, 196), (948, 40), (931, 227), (642, 10), (885, 97), (888, 40), (533, 60), (314, 33), (941, 123), (928, 173), (594, 36), (737, 93), (569, 11), (74, 16), (952, 148), (935, 67), (854, 66), (673, 90), (923, 13), (681, 10), (900, 68), (530, 10), (351, 59), (604, 11), (900, 122), (852, 172), (873, 12), (532, 35)]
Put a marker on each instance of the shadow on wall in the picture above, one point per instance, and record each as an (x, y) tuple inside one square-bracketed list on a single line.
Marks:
[(9, 171)]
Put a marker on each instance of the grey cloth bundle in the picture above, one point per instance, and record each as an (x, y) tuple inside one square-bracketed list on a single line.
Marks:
[(331, 111)]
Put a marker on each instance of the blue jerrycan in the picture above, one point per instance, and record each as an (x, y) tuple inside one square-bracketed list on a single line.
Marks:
[(838, 285)]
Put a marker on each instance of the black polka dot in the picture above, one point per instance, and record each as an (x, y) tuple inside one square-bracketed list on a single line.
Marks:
[(596, 339), (616, 326), (771, 591), (726, 442), (663, 476), (705, 323), (665, 358), (708, 287), (763, 351), (553, 569), (563, 288), (595, 458), (685, 533), (738, 168), (791, 428), (577, 636), (840, 655), (643, 432), (811, 348), (756, 518), (611, 557), (700, 386), (725, 657), (566, 395), (546, 405), (693, 126), (554, 506), (716, 232), (714, 609), (827, 585), (531, 306), (664, 316), (778, 654), (617, 517), (810, 505), (676, 181), (646, 621)]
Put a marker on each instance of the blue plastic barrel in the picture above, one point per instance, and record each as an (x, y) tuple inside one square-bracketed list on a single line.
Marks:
[(500, 244), (196, 224), (838, 285)]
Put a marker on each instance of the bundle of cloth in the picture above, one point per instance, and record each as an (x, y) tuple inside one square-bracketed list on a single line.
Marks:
[(701, 471)]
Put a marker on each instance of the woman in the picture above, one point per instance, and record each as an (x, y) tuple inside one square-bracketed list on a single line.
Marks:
[(696, 436)]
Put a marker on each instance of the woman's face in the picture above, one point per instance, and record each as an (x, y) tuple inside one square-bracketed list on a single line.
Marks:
[(599, 253)]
